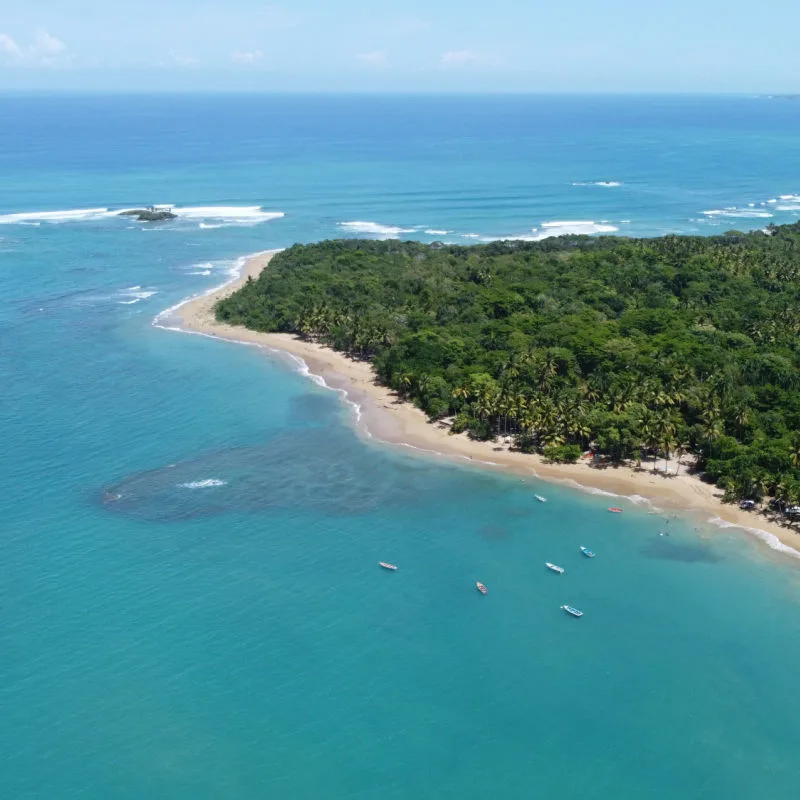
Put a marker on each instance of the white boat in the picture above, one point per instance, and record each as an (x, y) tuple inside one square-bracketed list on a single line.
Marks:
[(540, 498), (554, 567), (587, 552), (387, 565), (573, 611)]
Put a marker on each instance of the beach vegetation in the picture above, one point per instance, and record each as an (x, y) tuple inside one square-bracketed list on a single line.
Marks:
[(672, 352)]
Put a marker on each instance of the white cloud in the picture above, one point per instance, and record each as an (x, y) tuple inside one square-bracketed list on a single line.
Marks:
[(182, 59), (45, 45), (467, 58), (9, 46), (378, 58), (45, 50), (247, 56)]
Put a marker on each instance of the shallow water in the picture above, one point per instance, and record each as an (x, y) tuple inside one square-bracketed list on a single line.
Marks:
[(190, 595)]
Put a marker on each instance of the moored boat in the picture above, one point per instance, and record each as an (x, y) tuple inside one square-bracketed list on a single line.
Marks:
[(540, 498), (554, 567), (615, 510), (387, 565), (481, 588), (573, 611), (587, 552)]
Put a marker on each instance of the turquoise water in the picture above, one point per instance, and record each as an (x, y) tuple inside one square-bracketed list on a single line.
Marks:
[(191, 604)]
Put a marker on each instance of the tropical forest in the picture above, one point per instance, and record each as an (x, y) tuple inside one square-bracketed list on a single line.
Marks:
[(670, 348)]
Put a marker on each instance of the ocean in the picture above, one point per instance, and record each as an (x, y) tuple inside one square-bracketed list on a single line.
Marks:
[(190, 602)]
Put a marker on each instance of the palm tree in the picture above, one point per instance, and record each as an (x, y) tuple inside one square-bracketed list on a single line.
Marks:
[(581, 430), (519, 407), (795, 452), (712, 430), (648, 433), (741, 417), (668, 441), (405, 380), (423, 384), (761, 486), (728, 485), (682, 448), (461, 393), (485, 406), (552, 438), (665, 433)]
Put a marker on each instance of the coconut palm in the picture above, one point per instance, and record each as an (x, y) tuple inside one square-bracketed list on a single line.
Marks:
[(795, 450)]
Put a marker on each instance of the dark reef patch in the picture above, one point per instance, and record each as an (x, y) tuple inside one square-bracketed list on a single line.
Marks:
[(327, 470), (669, 550)]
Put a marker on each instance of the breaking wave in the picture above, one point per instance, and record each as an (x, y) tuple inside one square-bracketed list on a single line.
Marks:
[(771, 540), (208, 483), (764, 209), (606, 184), (72, 215), (218, 216), (134, 294), (739, 213), (375, 229), (568, 228)]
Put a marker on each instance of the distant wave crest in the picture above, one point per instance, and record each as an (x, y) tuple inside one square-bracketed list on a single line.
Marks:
[(738, 213), (764, 209), (375, 229), (606, 184), (218, 216), (569, 228), (134, 294), (71, 215), (208, 483)]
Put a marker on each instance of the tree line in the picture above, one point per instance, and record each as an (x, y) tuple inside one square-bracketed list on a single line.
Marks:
[(640, 348)]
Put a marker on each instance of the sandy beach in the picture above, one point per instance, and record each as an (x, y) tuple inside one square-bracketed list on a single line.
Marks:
[(387, 419)]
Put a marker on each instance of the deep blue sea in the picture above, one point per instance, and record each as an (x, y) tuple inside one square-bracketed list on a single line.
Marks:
[(190, 603)]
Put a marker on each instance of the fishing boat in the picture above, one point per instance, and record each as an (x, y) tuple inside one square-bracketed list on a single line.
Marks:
[(587, 552), (573, 611), (615, 510), (386, 565), (481, 588), (554, 567), (540, 498)]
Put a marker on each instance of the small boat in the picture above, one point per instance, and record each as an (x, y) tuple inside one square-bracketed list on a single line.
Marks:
[(587, 552), (554, 567), (386, 565), (615, 510), (573, 611), (540, 498), (481, 588)]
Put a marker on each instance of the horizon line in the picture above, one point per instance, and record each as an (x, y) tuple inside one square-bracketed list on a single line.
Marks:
[(405, 92)]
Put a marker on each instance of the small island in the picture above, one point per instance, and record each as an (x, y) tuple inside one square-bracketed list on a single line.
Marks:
[(681, 352), (150, 214)]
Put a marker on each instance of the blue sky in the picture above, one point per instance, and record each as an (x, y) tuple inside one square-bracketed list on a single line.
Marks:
[(438, 45)]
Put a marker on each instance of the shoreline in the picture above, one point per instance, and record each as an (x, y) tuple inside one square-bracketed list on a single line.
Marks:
[(380, 415)]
